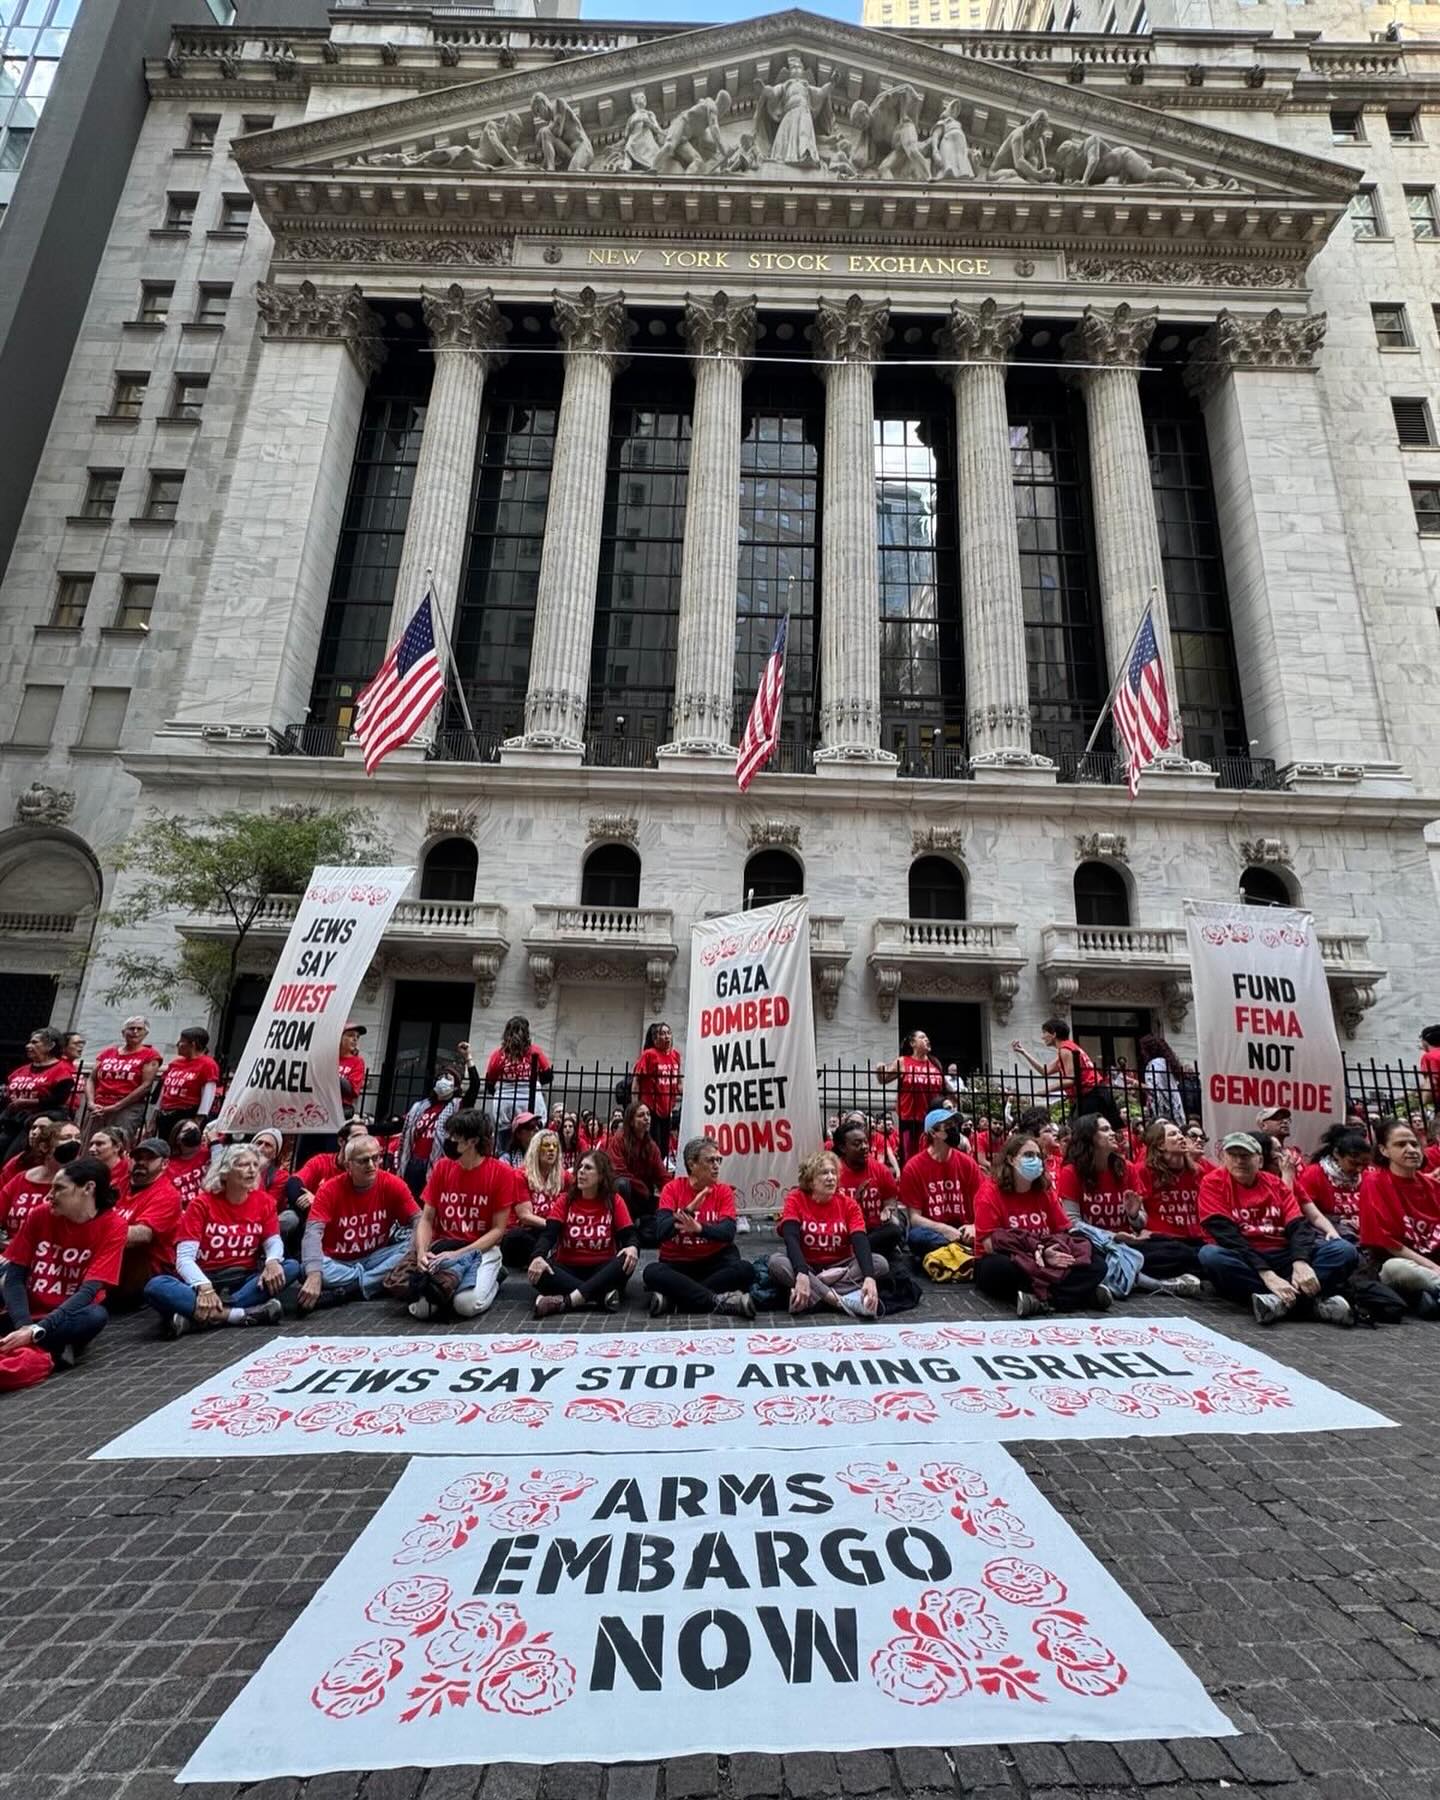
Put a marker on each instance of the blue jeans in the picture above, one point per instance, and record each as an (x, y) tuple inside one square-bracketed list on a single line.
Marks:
[(922, 1239), (364, 1272), (74, 1327), (168, 1294), (1232, 1277)]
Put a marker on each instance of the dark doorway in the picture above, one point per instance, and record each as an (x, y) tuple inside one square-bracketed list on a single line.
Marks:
[(611, 877), (956, 1029), (1111, 1038), (1263, 887), (771, 876), (26, 1001), (427, 1020), (245, 1004), (937, 889)]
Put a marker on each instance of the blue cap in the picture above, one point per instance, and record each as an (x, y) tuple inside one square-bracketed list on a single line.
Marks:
[(939, 1115)]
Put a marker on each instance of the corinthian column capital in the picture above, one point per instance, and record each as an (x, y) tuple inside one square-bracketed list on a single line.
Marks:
[(593, 323), (719, 326), (460, 321), (1271, 342), (1117, 340), (984, 333), (852, 330), (310, 314)]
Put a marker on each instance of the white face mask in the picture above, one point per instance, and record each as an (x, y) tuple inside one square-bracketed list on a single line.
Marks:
[(444, 1089)]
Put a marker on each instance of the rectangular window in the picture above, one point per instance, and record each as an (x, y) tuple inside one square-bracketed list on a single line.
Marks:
[(212, 303), (102, 486), (104, 718), (35, 722), (155, 298), (256, 122), (235, 212), (1365, 219), (1413, 425), (13, 145), (162, 501), (137, 602), (1425, 497), (1345, 125), (1420, 204), (180, 211), (188, 397), (129, 396), (1403, 123), (72, 596), (1392, 327), (201, 135)]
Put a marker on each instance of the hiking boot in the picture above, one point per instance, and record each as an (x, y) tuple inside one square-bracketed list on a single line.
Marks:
[(270, 1312), (1269, 1309), (547, 1305), (1104, 1299), (1334, 1310), (659, 1306), (1183, 1287), (736, 1304), (1029, 1306)]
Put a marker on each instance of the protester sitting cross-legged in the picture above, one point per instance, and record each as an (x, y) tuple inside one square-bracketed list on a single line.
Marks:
[(468, 1202), (58, 1144), (938, 1186), (230, 1265), (59, 1264), (1400, 1218), (1328, 1189), (1030, 1259), (699, 1269), (1264, 1253), (639, 1172), (1097, 1188), (827, 1260), (587, 1251), (357, 1229), (1166, 1180), (151, 1210), (867, 1180)]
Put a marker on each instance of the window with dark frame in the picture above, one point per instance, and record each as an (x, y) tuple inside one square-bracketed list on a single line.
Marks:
[(1366, 220), (212, 302), (72, 596), (449, 870), (155, 298), (1101, 896), (1403, 124), (1392, 326), (1413, 425), (1420, 205), (180, 211), (102, 489), (128, 395), (251, 122), (1345, 127), (772, 875), (937, 889), (1425, 498), (610, 877), (162, 498), (187, 397), (235, 210), (137, 602), (202, 132)]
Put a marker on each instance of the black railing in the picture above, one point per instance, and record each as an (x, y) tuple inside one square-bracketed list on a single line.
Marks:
[(945, 764), (466, 747), (1101, 767), (313, 740), (608, 752), (1258, 772)]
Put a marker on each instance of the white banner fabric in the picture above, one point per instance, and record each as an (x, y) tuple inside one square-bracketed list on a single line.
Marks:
[(497, 1611), (766, 1389), (289, 1076), (751, 1082), (1264, 1019)]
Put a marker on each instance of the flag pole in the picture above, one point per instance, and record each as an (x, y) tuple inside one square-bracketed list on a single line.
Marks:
[(450, 648), (1124, 667)]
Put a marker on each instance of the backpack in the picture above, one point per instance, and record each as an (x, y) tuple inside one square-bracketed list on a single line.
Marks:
[(950, 1262), (24, 1368), (1374, 1303)]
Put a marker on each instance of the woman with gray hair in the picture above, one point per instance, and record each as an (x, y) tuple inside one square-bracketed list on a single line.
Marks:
[(230, 1264), (699, 1270)]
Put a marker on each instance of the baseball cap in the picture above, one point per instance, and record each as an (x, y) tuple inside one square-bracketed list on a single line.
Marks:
[(359, 1030), (939, 1115), (525, 1118), (1275, 1112), (152, 1147), (1240, 1140)]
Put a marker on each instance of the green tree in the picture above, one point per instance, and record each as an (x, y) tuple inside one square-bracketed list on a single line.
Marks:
[(222, 867)]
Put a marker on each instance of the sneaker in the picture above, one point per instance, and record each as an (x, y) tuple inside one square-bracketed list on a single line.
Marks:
[(854, 1304), (269, 1313), (1268, 1309), (659, 1306), (329, 1297), (1428, 1306), (736, 1304), (176, 1325), (547, 1305), (65, 1357), (1183, 1287), (612, 1301), (1334, 1310), (1029, 1306), (420, 1309), (1104, 1299)]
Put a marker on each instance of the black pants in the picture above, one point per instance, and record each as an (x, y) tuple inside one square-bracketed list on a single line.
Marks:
[(660, 1131), (1100, 1100), (518, 1247), (165, 1123), (1167, 1257), (1002, 1278), (694, 1283), (593, 1280), (887, 1238)]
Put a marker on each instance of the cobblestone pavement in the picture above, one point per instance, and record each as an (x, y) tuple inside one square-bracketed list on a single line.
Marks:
[(1297, 1575)]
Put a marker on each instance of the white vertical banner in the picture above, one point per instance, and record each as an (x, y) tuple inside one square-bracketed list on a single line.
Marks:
[(1264, 1019), (750, 1078), (289, 1076)]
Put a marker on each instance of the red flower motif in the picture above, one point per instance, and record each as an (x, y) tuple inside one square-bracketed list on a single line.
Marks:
[(873, 1478), (768, 1343), (1119, 1337), (1067, 1401), (953, 1478), (599, 1411), (712, 1344), (323, 1415), (555, 1349), (612, 1349), (482, 1487), (1011, 1678), (648, 1415), (961, 1615), (215, 1408), (532, 1413), (528, 1679), (1164, 1393), (1082, 1663), (444, 1412), (511, 1346), (1128, 1406), (259, 1376), (355, 1683), (461, 1351), (416, 1603), (433, 1538), (477, 1629), (710, 1409), (782, 1409), (986, 1400), (378, 1421), (996, 1524), (524, 1515), (909, 1508), (557, 1484), (1023, 1583), (855, 1342), (340, 1355), (919, 1671), (239, 1416), (836, 1409), (907, 1404)]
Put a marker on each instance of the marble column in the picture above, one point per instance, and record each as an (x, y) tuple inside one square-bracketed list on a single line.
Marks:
[(721, 334), (289, 472), (467, 333), (849, 336), (1108, 349), (997, 699), (593, 329)]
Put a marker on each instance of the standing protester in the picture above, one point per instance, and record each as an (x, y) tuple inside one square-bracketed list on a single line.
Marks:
[(117, 1089), (151, 1211), (422, 1139), (1080, 1081), (1029, 1258), (1162, 1077), (638, 1168), (230, 1265), (352, 1067), (658, 1083), (1430, 1061), (869, 1183), (1166, 1179), (938, 1186), (921, 1086), (44, 1082), (587, 1250), (1264, 1252), (59, 1264), (514, 1076), (699, 1268), (58, 1145), (187, 1088), (827, 1260), (1400, 1218), (469, 1198), (357, 1230)]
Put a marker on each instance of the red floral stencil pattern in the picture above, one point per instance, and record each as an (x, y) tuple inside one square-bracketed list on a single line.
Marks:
[(534, 1505)]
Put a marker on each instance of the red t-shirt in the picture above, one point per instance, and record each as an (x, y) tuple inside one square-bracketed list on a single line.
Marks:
[(1432, 1158), (1171, 1210), (943, 1191), (35, 1088), (317, 1170), (922, 1083), (61, 1255), (1085, 1074), (1430, 1066), (1101, 1203), (1262, 1212), (464, 1202), (188, 1173), (159, 1207), (657, 1080), (352, 1069), (980, 1144), (1399, 1215), (543, 1203), (883, 1142), (826, 1226), (422, 1138), (1340, 1204), (715, 1203), (872, 1188), (19, 1197), (183, 1085), (513, 1072), (1038, 1212), (229, 1236), (588, 1227), (640, 1163), (359, 1220), (120, 1172), (117, 1071)]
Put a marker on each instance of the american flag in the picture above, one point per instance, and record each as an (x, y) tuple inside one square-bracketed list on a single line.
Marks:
[(1142, 705), (762, 729), (403, 693)]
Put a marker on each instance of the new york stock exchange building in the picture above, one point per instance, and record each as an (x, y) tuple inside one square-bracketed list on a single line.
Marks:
[(629, 340)]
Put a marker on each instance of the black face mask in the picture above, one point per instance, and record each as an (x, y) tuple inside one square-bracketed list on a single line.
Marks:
[(67, 1151), (449, 1147), (188, 1140), (952, 1136)]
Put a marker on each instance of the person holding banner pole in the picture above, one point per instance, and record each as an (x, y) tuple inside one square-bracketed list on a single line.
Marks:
[(587, 1252), (699, 1269), (818, 1225)]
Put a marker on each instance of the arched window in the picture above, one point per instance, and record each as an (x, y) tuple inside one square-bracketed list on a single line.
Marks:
[(1263, 887), (773, 875), (1101, 896), (937, 889), (611, 877), (449, 871)]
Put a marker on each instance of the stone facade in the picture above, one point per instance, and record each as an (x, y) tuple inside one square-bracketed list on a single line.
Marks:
[(462, 196)]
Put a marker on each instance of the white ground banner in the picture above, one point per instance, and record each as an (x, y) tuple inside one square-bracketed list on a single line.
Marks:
[(768, 1389), (750, 1082), (544, 1610), (289, 1076), (1264, 1019)]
